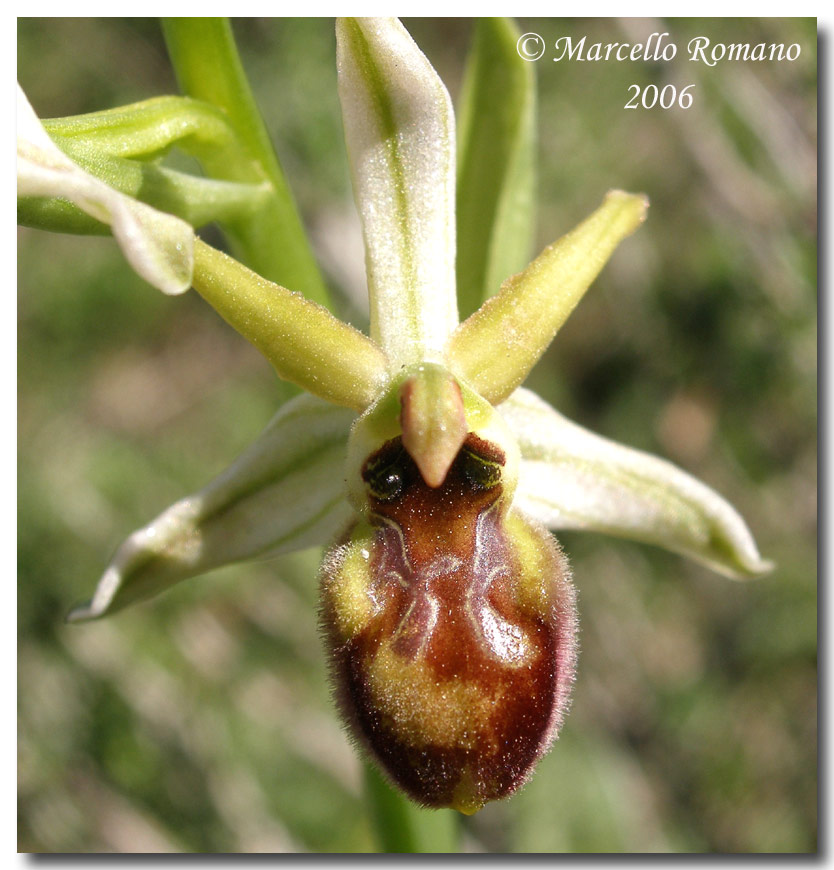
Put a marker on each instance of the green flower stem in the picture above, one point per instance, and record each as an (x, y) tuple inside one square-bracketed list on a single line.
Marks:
[(402, 826), (496, 141), (304, 342), (496, 347), (273, 241)]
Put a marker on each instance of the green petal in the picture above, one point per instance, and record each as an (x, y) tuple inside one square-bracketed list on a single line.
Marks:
[(157, 245), (400, 135), (498, 345), (285, 493), (496, 157), (573, 479), (305, 343)]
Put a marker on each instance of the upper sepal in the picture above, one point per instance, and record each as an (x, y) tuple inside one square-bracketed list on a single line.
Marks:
[(400, 136), (573, 479)]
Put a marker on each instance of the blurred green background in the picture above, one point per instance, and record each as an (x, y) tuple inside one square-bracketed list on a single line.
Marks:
[(201, 721)]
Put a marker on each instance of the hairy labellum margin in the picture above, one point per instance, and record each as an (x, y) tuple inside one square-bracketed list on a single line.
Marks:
[(450, 622)]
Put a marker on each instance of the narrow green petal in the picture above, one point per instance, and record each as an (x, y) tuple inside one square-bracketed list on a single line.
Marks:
[(496, 157), (158, 246), (573, 479), (285, 493), (304, 342), (498, 345), (400, 136)]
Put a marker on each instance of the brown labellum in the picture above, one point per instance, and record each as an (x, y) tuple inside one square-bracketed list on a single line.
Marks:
[(451, 628)]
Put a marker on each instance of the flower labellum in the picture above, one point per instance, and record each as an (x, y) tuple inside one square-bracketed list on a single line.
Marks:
[(450, 619)]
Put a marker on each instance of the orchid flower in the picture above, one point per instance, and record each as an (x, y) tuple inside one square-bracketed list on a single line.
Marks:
[(415, 454)]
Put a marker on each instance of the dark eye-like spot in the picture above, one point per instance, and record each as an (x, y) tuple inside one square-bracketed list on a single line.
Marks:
[(385, 476), (387, 485), (480, 472)]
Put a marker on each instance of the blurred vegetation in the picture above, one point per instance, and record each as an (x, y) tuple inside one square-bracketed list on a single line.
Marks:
[(201, 721)]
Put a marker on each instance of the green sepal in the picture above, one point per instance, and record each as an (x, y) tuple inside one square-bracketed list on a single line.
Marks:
[(284, 493), (122, 147), (198, 201), (400, 136), (158, 246), (573, 479), (149, 129)]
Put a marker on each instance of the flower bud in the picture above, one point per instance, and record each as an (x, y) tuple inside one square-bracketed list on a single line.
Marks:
[(450, 621)]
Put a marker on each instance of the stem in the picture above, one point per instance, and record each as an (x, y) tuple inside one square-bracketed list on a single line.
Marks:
[(272, 241), (403, 827), (496, 139)]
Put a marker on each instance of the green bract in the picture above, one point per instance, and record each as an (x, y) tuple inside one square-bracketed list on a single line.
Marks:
[(421, 375)]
